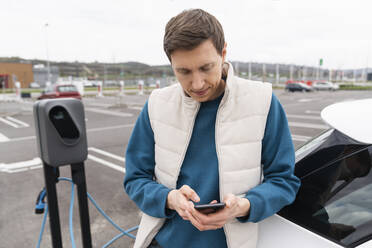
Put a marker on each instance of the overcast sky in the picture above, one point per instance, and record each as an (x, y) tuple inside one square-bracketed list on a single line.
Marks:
[(272, 31)]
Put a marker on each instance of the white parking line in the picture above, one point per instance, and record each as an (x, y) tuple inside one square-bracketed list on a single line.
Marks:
[(36, 163), (309, 117), (89, 130), (22, 138), (106, 163), (3, 138), (107, 112), (17, 121), (21, 166), (9, 123), (307, 125), (312, 112), (136, 108), (306, 100), (109, 128), (96, 104), (122, 159), (300, 138)]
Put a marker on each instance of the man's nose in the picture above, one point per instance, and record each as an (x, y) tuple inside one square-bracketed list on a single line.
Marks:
[(197, 82)]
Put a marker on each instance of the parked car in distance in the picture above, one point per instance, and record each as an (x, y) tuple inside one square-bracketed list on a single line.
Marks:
[(293, 87), (60, 91), (333, 207), (324, 85)]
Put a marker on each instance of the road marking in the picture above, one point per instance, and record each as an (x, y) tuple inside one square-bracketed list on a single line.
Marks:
[(108, 154), (9, 123), (305, 117), (312, 112), (17, 121), (107, 112), (89, 130), (3, 138), (106, 163), (105, 105), (136, 108), (307, 125), (306, 100), (300, 137), (22, 138), (109, 128), (35, 163)]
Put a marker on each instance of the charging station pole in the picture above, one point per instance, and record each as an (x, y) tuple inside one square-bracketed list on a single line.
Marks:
[(61, 138), (78, 177), (51, 178)]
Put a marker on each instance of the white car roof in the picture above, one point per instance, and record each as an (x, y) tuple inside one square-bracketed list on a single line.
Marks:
[(352, 118)]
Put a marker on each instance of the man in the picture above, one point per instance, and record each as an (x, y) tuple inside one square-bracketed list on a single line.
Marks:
[(213, 137)]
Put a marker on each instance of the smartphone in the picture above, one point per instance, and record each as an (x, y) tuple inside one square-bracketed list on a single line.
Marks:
[(210, 208)]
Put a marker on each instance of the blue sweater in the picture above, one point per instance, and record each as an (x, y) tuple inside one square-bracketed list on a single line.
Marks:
[(200, 171)]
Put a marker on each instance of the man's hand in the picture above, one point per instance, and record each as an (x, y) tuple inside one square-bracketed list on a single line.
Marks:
[(235, 207), (179, 200)]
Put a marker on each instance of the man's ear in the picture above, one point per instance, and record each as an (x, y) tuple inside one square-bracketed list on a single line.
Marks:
[(224, 51)]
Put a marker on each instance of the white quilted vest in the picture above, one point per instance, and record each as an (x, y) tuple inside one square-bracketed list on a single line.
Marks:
[(240, 127)]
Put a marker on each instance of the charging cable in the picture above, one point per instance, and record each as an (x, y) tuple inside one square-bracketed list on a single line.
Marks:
[(42, 206)]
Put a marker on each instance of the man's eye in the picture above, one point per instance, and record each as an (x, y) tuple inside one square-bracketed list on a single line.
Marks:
[(206, 68), (184, 72)]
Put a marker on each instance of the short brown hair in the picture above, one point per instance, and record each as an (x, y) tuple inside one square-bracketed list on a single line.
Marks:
[(190, 28)]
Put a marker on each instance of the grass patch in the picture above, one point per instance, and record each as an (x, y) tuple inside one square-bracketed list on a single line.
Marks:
[(354, 87)]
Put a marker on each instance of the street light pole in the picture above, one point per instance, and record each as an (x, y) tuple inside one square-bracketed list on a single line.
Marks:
[(47, 53), (249, 71), (277, 74)]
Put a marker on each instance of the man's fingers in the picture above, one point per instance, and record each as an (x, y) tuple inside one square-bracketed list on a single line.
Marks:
[(186, 205), (230, 200), (183, 215), (217, 218), (189, 193), (200, 226)]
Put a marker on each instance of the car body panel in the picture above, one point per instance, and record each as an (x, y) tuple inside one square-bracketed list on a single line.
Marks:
[(335, 197), (333, 207), (276, 231), (367, 244), (353, 118)]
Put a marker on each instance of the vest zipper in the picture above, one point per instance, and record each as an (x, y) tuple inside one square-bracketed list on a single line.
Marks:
[(225, 228)]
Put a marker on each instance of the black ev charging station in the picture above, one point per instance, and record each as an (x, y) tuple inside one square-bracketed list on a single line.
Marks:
[(61, 140)]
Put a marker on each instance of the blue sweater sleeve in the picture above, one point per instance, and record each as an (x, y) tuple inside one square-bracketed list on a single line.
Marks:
[(150, 196), (280, 185)]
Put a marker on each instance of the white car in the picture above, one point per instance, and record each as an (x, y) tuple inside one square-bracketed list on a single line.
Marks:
[(333, 207), (319, 85)]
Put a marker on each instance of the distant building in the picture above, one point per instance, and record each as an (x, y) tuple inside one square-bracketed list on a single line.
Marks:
[(15, 72), (41, 74)]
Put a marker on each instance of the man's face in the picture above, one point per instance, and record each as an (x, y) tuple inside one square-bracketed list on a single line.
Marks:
[(199, 71)]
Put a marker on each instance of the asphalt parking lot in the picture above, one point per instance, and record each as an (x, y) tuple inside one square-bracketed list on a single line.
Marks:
[(109, 124)]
